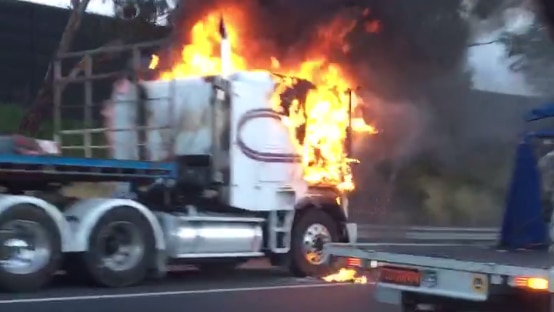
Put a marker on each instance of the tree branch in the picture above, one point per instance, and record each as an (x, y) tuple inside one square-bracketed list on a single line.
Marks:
[(478, 44), (31, 121)]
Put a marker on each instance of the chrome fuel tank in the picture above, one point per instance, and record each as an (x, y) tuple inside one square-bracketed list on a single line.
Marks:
[(209, 235)]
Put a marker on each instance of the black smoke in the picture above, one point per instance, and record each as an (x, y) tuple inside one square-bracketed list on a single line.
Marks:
[(438, 156)]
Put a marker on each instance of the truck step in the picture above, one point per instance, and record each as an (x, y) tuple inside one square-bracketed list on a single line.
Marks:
[(221, 219), (192, 215), (219, 255)]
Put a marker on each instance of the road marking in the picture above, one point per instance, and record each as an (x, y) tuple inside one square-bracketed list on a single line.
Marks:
[(168, 293), (407, 244)]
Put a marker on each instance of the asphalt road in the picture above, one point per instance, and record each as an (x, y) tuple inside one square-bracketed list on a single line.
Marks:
[(250, 289)]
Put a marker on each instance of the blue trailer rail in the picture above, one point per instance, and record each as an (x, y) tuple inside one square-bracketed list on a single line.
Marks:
[(14, 167)]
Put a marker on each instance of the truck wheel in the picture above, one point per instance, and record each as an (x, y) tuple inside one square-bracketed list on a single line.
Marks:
[(30, 248), (310, 232), (121, 249)]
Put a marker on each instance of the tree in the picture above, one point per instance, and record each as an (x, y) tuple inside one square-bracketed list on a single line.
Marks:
[(143, 11), (533, 49), (147, 10), (533, 52)]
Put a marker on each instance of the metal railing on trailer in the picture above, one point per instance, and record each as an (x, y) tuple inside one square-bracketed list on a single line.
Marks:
[(83, 81), (78, 125)]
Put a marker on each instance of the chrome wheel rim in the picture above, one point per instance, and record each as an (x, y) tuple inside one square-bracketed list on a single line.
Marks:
[(315, 237), (25, 247), (121, 246)]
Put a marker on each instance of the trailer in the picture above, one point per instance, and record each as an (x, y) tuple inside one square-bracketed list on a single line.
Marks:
[(203, 171), (516, 274)]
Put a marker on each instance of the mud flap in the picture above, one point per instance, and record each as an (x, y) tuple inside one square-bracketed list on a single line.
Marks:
[(523, 224), (351, 232), (5, 235), (160, 267)]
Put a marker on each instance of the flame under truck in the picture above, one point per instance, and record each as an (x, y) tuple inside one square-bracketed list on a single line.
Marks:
[(206, 175), (516, 274)]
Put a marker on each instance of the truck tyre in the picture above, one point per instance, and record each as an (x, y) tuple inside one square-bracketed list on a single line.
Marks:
[(121, 249), (30, 248), (310, 232)]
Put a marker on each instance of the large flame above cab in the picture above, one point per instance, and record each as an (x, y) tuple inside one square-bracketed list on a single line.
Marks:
[(322, 115)]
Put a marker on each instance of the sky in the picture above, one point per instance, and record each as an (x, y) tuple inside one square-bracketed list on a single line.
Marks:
[(489, 63), (95, 6)]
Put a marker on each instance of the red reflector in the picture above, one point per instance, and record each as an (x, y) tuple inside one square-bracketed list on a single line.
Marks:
[(355, 262)]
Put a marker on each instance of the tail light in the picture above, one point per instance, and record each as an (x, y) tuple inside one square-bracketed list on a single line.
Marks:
[(534, 283), (353, 262)]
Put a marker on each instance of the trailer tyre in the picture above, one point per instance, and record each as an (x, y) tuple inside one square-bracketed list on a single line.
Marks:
[(310, 232), (121, 249), (30, 248)]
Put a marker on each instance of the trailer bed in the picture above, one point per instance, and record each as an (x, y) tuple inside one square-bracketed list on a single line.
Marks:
[(14, 167), (458, 257)]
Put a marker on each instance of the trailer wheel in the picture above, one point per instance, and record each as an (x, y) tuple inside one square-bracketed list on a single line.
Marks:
[(121, 249), (310, 232), (30, 248)]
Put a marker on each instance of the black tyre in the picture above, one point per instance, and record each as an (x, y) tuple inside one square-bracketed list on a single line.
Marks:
[(121, 249), (310, 232), (30, 249)]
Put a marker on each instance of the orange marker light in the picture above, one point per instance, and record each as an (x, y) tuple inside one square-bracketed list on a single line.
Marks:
[(535, 283)]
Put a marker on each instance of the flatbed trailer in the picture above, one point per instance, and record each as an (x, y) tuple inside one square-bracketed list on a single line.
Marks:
[(516, 274), (442, 277)]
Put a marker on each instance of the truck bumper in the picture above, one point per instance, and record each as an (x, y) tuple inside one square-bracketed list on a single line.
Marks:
[(351, 232)]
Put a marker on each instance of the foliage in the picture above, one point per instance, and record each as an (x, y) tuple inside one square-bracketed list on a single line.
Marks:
[(146, 10), (11, 115), (534, 56)]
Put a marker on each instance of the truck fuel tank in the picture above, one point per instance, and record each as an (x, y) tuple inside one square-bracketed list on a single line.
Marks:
[(212, 235)]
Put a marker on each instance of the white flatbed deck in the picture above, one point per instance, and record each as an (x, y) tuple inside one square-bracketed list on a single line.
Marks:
[(469, 258)]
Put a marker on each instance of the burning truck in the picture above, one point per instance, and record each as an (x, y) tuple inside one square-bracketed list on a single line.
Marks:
[(224, 163), (295, 132)]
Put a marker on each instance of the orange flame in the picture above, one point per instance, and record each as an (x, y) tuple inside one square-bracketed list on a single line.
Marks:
[(346, 275), (325, 112)]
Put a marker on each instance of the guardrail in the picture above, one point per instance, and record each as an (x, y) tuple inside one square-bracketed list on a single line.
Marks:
[(367, 232)]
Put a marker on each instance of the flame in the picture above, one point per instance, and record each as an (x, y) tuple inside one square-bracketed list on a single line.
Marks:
[(323, 116), (154, 62), (346, 275)]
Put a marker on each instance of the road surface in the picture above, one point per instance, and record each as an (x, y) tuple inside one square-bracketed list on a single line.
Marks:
[(253, 288)]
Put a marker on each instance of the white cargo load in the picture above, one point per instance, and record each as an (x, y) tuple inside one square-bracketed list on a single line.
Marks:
[(180, 115)]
